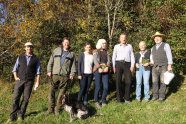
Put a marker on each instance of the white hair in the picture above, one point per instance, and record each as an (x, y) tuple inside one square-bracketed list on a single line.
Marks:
[(99, 43), (142, 42)]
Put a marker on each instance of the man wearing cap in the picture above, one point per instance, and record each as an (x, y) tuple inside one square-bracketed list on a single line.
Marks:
[(161, 58), (61, 68), (123, 63), (26, 68)]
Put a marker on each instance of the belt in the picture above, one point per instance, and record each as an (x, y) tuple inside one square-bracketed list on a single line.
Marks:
[(60, 75), (123, 61)]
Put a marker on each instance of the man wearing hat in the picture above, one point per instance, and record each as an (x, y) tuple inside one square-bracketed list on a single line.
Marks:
[(27, 66), (161, 58)]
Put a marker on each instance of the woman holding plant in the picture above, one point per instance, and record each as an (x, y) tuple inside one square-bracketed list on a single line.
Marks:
[(142, 70), (101, 71)]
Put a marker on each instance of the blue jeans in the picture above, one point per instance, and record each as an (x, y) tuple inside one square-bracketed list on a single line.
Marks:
[(146, 75), (84, 87), (104, 77)]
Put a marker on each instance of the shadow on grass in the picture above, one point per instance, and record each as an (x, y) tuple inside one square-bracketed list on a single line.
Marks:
[(36, 112), (175, 85)]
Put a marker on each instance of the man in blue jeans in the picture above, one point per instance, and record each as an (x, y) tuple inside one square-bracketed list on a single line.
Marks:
[(142, 70)]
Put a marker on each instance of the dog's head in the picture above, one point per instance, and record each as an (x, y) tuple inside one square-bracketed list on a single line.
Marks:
[(64, 99)]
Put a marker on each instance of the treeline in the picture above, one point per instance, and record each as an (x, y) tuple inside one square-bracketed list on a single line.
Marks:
[(46, 22)]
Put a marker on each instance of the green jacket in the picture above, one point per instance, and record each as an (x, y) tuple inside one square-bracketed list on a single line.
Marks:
[(68, 67)]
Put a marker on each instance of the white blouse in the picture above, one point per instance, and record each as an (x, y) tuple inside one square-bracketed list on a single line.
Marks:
[(88, 61)]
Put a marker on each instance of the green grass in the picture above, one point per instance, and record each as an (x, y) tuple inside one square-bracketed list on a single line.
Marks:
[(173, 110)]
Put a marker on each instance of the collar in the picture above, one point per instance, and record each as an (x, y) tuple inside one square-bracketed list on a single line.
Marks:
[(143, 53), (158, 44), (28, 56), (122, 45)]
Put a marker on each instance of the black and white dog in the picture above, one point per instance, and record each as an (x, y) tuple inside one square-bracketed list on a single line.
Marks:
[(75, 108)]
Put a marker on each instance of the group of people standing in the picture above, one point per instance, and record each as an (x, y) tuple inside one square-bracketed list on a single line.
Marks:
[(62, 67)]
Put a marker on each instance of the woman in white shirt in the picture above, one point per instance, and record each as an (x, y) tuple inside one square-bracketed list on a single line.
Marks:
[(85, 68)]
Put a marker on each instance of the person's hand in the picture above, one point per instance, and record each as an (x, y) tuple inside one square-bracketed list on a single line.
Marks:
[(146, 64), (132, 69), (79, 77), (71, 77), (49, 74), (137, 65), (114, 69), (100, 70), (36, 85), (106, 70), (17, 78), (169, 68)]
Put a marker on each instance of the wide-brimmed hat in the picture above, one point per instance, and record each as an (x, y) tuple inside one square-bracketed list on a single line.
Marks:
[(158, 34), (28, 44)]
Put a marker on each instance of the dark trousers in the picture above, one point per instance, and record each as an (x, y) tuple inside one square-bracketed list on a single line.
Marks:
[(25, 88), (123, 67), (58, 82), (101, 78), (85, 83), (158, 73)]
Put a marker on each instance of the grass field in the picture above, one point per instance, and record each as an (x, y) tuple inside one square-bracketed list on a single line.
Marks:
[(173, 110)]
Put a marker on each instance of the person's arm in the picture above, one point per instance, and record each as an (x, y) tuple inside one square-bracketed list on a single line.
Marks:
[(132, 60), (96, 63), (15, 76), (169, 56), (73, 68), (108, 60), (108, 63), (137, 60), (37, 80), (50, 65), (114, 58), (15, 69), (151, 58), (79, 65), (38, 72)]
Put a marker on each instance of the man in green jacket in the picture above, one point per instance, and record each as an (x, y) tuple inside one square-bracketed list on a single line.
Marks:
[(61, 68)]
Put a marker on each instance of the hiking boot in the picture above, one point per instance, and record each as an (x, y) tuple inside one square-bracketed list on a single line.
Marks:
[(9, 121), (85, 102), (56, 111), (97, 105), (161, 100), (20, 119), (48, 113), (154, 99), (104, 104), (127, 101), (138, 100)]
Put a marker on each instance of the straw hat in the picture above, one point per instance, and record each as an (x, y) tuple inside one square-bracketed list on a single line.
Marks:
[(28, 44), (158, 34)]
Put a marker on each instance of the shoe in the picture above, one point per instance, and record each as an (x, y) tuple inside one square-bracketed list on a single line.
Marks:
[(48, 113), (161, 100), (56, 112), (120, 102), (20, 119), (9, 121), (128, 101), (154, 99), (138, 100), (85, 102), (104, 104), (146, 100), (97, 105)]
